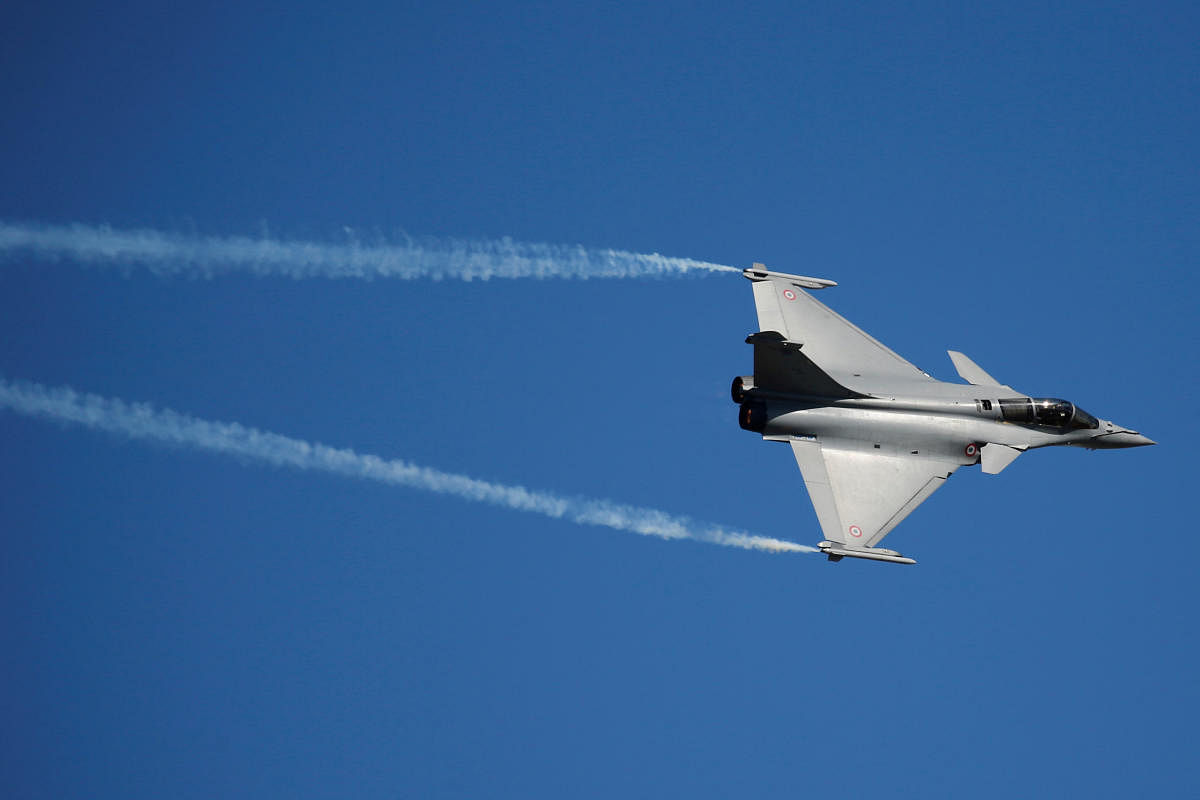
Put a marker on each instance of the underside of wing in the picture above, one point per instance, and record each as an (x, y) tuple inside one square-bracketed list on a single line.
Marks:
[(845, 352), (860, 495)]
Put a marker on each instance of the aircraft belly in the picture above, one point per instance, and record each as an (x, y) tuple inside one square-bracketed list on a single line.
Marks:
[(884, 432)]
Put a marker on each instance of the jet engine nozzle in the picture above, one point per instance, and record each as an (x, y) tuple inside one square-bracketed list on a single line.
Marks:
[(753, 416), (741, 385)]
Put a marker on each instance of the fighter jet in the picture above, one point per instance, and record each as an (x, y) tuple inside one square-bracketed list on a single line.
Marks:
[(875, 436)]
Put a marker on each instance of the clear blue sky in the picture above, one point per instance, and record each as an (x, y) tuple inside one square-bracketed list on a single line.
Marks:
[(1019, 184)]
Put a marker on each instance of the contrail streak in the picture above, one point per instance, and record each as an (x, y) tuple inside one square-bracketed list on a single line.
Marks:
[(167, 253), (142, 421)]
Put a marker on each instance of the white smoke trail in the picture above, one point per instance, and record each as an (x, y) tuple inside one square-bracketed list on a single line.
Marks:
[(207, 256), (142, 421)]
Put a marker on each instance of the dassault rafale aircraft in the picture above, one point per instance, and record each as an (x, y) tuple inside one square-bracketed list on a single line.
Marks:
[(874, 435)]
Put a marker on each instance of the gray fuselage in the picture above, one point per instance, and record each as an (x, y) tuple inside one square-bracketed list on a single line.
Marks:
[(934, 418)]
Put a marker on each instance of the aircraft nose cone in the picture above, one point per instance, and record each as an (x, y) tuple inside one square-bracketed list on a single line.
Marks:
[(1124, 439)]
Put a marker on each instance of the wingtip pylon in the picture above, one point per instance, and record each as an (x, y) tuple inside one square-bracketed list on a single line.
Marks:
[(838, 550), (759, 272)]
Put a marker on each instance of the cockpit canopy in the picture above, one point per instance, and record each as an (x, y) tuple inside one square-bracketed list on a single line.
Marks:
[(1048, 411)]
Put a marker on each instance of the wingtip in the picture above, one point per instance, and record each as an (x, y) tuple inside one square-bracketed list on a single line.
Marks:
[(759, 272), (838, 550)]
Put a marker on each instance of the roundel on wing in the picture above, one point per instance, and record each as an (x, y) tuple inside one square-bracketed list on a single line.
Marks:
[(789, 294), (856, 531)]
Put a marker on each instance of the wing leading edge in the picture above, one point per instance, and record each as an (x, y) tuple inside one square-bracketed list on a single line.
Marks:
[(848, 354)]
